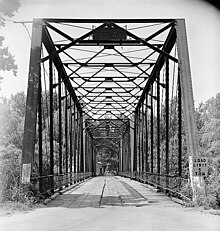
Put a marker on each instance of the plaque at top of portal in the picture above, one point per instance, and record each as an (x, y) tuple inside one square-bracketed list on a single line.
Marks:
[(109, 32)]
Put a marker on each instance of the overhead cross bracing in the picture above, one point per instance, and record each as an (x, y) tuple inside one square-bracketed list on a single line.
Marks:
[(107, 73), (107, 128)]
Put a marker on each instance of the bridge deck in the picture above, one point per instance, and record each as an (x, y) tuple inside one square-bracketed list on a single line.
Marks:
[(111, 203), (110, 191)]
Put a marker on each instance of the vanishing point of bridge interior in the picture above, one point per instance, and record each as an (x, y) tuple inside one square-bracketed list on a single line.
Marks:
[(119, 83)]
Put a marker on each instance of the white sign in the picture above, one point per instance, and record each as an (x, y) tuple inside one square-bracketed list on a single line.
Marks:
[(26, 173), (200, 166)]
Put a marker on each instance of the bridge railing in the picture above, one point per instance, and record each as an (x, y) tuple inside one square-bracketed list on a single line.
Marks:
[(173, 185), (51, 183)]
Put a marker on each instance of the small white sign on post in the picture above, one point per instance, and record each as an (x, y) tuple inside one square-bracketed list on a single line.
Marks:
[(200, 166), (26, 173)]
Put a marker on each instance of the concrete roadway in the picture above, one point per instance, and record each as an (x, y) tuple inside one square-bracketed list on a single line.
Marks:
[(112, 203)]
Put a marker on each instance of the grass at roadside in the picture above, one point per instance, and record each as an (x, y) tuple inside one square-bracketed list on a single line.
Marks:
[(10, 208)]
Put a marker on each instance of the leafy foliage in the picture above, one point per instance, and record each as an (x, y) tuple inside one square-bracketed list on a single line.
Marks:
[(11, 132), (107, 153), (208, 125), (7, 61), (12, 113), (10, 164), (12, 120), (8, 8)]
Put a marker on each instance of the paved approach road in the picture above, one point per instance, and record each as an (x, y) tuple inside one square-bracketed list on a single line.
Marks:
[(112, 203)]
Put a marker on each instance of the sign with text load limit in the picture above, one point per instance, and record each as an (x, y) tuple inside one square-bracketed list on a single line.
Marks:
[(200, 166)]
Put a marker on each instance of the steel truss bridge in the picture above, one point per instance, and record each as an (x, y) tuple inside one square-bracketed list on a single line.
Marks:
[(120, 82)]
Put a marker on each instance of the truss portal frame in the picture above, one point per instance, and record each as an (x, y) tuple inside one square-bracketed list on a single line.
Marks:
[(108, 67)]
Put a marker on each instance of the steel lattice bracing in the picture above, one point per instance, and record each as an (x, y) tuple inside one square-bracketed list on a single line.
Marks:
[(123, 80)]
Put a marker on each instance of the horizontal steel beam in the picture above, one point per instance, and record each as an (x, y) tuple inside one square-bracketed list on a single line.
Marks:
[(110, 87), (106, 137), (118, 81), (101, 102), (109, 108), (108, 64), (68, 20), (130, 43), (110, 120), (115, 96), (103, 77)]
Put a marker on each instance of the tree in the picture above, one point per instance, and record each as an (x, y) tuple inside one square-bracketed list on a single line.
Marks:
[(208, 125), (7, 10), (12, 120), (12, 112), (107, 153)]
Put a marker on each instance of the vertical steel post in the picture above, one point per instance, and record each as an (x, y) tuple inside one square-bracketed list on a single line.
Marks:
[(121, 155), (167, 116), (71, 136), (66, 129), (187, 97), (188, 103), (74, 139), (158, 121), (139, 139), (152, 130), (85, 150), (142, 137), (81, 143), (130, 147), (31, 101), (92, 159), (186, 88), (78, 142), (89, 156), (60, 123), (124, 153), (51, 121), (135, 143), (180, 127), (40, 133), (146, 134), (131, 137)]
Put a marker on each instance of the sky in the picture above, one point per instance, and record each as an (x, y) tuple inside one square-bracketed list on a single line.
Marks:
[(202, 22)]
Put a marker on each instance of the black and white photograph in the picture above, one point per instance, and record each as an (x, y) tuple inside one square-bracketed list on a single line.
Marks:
[(109, 115)]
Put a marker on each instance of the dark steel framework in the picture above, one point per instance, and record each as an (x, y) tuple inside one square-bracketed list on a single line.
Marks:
[(127, 80)]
